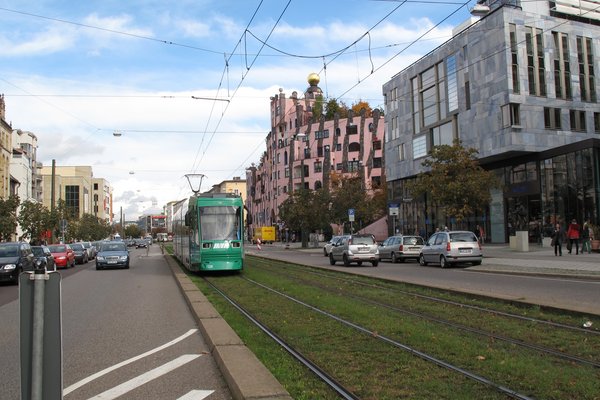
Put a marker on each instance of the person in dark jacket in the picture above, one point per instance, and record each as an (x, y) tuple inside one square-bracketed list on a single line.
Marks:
[(558, 237)]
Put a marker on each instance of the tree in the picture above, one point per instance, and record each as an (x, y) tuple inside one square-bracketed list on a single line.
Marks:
[(35, 220), (92, 228), (332, 107), (349, 193), (317, 109), (358, 106), (133, 231), (305, 211), (8, 221), (455, 181)]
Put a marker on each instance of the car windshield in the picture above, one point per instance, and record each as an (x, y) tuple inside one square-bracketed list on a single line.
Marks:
[(77, 246), (463, 237), (38, 251), (11, 250), (413, 241), (363, 240), (114, 247), (57, 249)]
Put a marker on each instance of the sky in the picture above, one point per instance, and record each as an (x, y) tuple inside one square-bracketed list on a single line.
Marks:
[(186, 84)]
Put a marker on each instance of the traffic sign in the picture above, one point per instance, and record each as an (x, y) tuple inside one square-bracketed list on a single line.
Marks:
[(351, 214)]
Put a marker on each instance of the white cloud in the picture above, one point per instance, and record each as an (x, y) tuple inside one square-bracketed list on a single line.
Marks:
[(49, 41)]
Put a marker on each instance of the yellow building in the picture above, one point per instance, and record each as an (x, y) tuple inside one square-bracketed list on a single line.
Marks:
[(5, 152), (73, 184), (235, 186)]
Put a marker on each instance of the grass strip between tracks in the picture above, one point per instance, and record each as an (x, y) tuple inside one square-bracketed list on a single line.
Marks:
[(377, 371)]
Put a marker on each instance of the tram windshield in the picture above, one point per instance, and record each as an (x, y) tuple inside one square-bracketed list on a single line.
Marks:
[(220, 223)]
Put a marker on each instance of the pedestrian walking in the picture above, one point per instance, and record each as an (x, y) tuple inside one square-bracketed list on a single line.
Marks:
[(558, 237), (573, 234), (586, 241)]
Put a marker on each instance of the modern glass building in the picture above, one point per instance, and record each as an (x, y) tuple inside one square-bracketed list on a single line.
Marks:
[(519, 86)]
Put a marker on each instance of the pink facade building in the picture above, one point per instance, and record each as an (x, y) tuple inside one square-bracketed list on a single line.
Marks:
[(302, 152)]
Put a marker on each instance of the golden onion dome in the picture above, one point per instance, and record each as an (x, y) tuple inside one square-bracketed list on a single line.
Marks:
[(313, 79)]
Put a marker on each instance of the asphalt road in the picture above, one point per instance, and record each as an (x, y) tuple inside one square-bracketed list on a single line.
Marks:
[(125, 333), (563, 292)]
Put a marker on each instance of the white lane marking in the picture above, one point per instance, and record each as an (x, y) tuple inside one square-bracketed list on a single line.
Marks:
[(123, 363), (131, 384), (196, 395)]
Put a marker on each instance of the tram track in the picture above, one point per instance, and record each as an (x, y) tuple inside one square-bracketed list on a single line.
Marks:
[(312, 271), (491, 335), (376, 312)]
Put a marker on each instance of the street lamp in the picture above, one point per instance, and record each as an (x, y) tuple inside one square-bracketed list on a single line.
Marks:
[(195, 181)]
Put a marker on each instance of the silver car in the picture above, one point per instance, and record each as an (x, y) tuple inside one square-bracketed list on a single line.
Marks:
[(327, 247), (453, 247), (400, 248), (355, 248)]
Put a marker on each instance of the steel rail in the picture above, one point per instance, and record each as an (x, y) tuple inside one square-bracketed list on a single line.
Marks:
[(478, 378), (451, 302), (324, 376), (456, 325)]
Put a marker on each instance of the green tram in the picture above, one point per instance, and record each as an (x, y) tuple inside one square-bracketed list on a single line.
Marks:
[(208, 232)]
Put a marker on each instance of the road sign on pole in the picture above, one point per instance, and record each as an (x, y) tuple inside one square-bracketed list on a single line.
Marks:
[(41, 342), (351, 214)]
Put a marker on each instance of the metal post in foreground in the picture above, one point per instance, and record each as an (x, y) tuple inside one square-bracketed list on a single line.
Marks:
[(37, 342)]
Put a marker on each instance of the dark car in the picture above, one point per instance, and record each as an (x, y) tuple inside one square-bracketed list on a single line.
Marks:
[(112, 255), (43, 258), (15, 257), (81, 253), (141, 244)]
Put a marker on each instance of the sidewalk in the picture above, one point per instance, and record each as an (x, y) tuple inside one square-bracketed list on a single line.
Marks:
[(501, 258)]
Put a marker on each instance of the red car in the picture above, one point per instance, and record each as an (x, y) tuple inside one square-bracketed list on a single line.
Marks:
[(64, 257)]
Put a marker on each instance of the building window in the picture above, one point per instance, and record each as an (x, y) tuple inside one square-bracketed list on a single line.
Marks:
[(338, 132), (452, 83), (338, 147), (585, 57), (401, 156), (354, 146), (72, 199), (514, 57), (307, 152), (286, 172), (510, 115), (338, 166), (442, 134), (351, 129), (467, 95), (377, 162), (419, 147), (377, 145), (552, 118), (353, 166), (562, 66), (95, 186), (597, 122), (534, 42), (318, 166), (577, 118), (416, 108), (322, 134)]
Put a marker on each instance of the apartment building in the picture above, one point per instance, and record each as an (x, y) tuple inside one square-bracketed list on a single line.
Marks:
[(5, 153), (102, 200), (73, 184), (235, 186), (519, 86), (303, 153)]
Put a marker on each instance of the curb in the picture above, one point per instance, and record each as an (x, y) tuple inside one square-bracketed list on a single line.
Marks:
[(246, 377)]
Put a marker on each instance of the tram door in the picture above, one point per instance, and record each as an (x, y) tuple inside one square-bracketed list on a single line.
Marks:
[(524, 213)]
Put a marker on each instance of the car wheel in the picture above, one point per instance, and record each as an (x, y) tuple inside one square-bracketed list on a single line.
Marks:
[(346, 261), (477, 262), (374, 263), (443, 261), (394, 259), (422, 260), (97, 268), (331, 259), (127, 266)]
